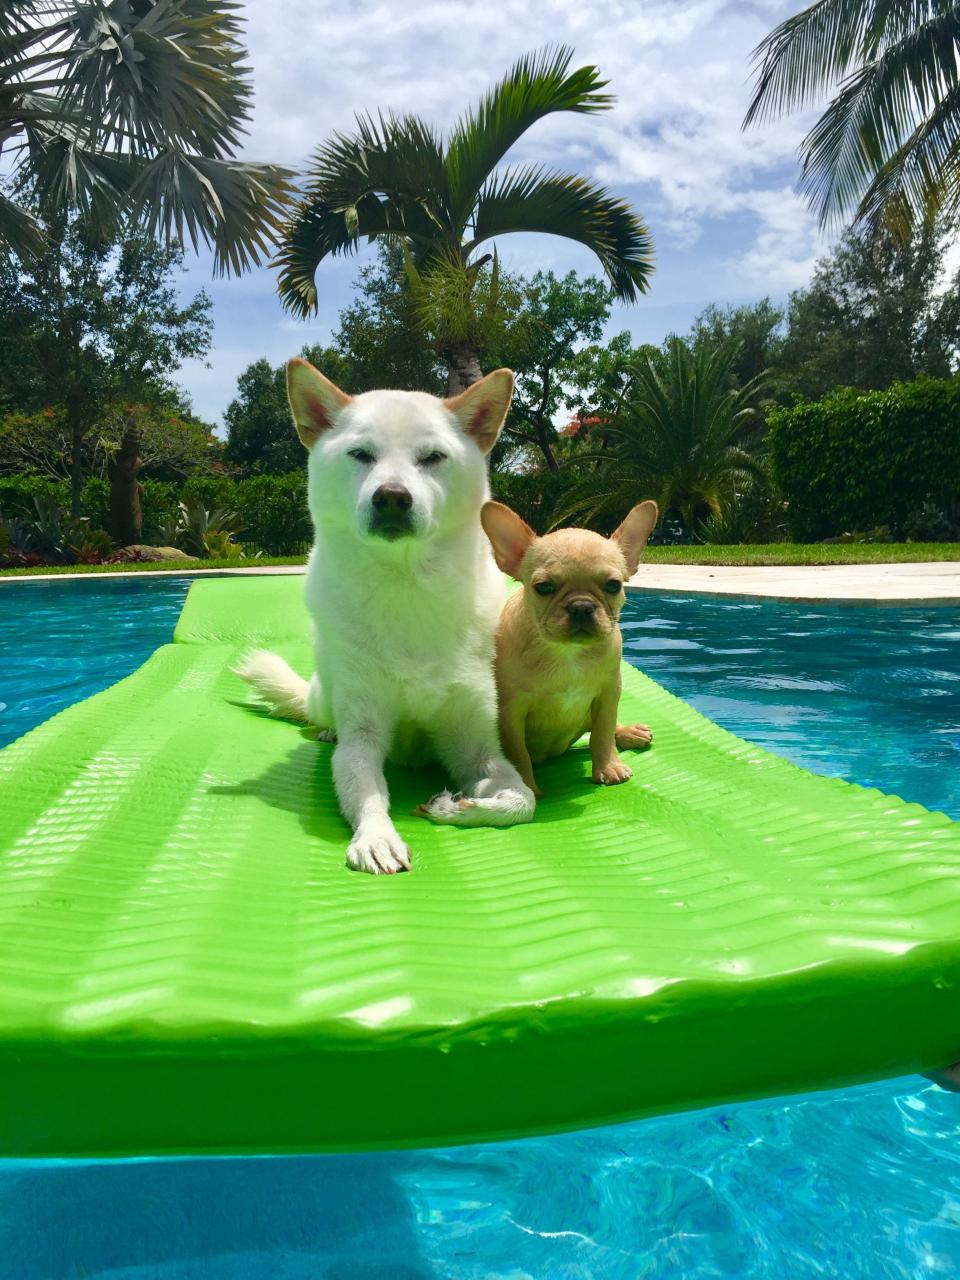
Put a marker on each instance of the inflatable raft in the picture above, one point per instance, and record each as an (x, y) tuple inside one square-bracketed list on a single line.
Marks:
[(186, 965)]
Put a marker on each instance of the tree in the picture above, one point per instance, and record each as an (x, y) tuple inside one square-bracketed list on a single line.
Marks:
[(134, 437), (887, 148), (873, 314), (91, 323), (683, 436), (260, 432), (541, 345), (395, 179), (377, 344), (127, 112), (756, 327)]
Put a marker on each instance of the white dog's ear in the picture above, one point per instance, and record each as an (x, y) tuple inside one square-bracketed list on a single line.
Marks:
[(314, 400), (509, 535), (634, 532), (481, 409)]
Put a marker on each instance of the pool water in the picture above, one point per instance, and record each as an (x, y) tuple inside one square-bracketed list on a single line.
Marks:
[(854, 1183)]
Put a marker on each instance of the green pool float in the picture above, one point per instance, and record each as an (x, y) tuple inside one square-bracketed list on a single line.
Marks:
[(186, 965)]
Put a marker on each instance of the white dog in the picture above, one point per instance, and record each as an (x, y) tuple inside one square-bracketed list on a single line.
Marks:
[(405, 598)]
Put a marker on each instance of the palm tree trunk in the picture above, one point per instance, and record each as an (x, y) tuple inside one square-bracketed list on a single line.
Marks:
[(126, 515), (463, 368)]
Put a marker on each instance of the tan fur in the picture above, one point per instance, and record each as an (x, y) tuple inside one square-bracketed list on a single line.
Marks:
[(558, 672)]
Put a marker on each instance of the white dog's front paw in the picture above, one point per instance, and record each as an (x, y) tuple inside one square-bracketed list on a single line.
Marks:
[(378, 852)]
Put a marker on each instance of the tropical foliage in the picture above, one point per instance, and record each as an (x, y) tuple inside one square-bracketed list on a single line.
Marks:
[(89, 323), (444, 201), (130, 112), (886, 150), (683, 436), (857, 460)]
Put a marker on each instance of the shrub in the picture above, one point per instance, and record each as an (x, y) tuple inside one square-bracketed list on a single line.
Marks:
[(18, 495), (535, 496), (273, 513), (857, 460)]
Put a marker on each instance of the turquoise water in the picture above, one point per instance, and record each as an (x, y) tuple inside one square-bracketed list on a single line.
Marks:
[(855, 1183)]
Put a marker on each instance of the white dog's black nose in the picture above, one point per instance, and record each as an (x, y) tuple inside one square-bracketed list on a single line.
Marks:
[(392, 497), (391, 504)]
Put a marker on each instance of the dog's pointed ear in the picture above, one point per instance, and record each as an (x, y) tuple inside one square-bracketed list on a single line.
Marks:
[(481, 409), (509, 536), (634, 532), (314, 400)]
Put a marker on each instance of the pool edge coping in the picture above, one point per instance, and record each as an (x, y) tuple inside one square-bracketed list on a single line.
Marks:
[(723, 583)]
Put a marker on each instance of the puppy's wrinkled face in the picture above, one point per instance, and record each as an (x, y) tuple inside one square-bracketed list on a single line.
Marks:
[(395, 466), (573, 585)]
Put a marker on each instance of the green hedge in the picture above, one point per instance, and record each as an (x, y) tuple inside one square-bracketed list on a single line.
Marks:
[(271, 511), (857, 460)]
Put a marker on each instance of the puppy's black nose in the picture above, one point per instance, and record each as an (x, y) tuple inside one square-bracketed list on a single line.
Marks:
[(392, 498), (581, 609)]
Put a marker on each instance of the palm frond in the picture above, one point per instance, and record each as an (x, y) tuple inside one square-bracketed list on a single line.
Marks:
[(122, 110), (397, 157), (876, 113), (386, 179), (528, 199), (160, 74), (535, 86), (921, 178), (318, 231), (805, 56), (237, 208), (20, 233)]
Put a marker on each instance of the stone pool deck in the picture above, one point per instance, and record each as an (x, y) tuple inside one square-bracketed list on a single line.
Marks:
[(930, 581)]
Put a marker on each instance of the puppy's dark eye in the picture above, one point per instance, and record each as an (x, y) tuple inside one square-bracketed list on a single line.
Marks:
[(544, 588), (613, 586), (431, 459), (362, 455)]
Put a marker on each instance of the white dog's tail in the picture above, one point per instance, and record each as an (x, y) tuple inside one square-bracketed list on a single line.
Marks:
[(275, 682)]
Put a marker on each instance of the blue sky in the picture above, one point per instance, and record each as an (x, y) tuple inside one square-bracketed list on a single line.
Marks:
[(721, 205)]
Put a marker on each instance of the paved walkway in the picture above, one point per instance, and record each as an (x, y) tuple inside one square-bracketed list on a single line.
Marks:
[(865, 583)]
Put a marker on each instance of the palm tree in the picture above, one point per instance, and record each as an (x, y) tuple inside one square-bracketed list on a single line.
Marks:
[(132, 110), (395, 178), (683, 435), (887, 148)]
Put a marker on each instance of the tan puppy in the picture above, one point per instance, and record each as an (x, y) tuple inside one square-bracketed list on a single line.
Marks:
[(558, 642)]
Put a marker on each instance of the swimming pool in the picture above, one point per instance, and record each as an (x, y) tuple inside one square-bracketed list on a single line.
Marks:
[(854, 1183)]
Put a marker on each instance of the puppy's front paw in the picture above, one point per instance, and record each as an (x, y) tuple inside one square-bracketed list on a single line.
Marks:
[(610, 774), (445, 807), (378, 853), (633, 737)]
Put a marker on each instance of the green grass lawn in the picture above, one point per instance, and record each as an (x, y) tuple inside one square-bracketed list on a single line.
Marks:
[(814, 553), (773, 554)]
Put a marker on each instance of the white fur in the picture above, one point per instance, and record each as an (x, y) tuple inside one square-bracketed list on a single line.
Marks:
[(283, 692), (404, 629)]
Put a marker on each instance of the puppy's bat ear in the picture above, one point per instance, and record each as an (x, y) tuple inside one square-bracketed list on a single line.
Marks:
[(509, 535), (634, 532), (314, 400), (481, 409)]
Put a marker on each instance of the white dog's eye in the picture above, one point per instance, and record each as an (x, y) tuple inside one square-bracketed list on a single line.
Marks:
[(431, 459), (613, 585), (544, 588), (362, 455)]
